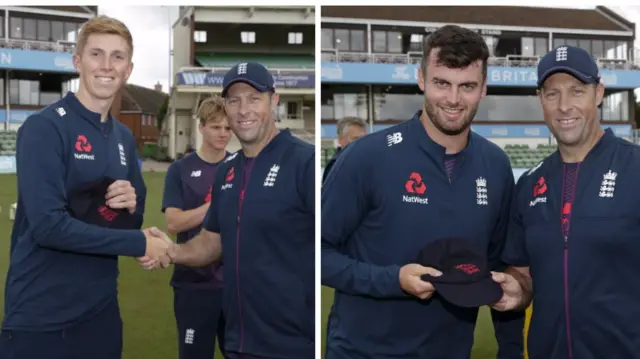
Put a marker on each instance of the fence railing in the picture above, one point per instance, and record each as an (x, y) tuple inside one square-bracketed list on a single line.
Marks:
[(413, 57), (57, 46)]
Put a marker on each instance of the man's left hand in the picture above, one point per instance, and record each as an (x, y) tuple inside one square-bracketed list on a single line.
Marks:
[(121, 194)]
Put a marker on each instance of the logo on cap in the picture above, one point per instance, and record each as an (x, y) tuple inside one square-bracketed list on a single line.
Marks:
[(561, 53), (242, 68)]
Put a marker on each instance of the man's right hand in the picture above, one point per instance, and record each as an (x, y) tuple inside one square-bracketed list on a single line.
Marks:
[(157, 250), (513, 295), (411, 282)]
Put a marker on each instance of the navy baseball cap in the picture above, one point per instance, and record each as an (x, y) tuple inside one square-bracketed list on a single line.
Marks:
[(89, 205), (251, 73), (572, 60), (466, 279)]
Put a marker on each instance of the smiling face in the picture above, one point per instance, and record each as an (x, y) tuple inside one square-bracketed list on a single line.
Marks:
[(250, 112), (103, 57), (452, 95), (570, 109)]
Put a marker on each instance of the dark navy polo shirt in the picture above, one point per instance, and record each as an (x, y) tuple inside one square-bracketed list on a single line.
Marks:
[(188, 185)]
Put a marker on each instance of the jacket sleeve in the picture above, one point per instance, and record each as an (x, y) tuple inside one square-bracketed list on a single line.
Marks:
[(344, 205), (137, 181), (41, 187)]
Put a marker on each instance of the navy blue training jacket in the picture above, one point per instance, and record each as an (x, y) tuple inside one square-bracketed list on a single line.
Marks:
[(264, 210), (586, 288), (63, 271), (386, 197)]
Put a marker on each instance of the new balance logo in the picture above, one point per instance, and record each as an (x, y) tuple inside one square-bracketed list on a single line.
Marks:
[(61, 111), (270, 181), (394, 139), (188, 336), (197, 173)]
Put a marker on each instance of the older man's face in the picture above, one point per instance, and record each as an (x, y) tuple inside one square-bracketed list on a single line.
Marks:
[(351, 133)]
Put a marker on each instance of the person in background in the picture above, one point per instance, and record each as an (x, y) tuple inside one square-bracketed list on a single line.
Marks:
[(349, 129), (186, 200)]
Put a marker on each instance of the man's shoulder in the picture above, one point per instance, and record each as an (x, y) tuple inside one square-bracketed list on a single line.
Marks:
[(47, 116), (380, 142), (490, 149)]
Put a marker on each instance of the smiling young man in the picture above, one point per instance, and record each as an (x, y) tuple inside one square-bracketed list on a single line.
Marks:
[(186, 200), (61, 297), (393, 192), (574, 232), (262, 213)]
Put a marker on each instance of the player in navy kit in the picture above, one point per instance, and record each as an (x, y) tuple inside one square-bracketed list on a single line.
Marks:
[(574, 232), (61, 297), (186, 200), (263, 214), (394, 191)]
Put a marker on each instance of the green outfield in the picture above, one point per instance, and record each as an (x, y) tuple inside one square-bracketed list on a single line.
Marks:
[(146, 300), (485, 343)]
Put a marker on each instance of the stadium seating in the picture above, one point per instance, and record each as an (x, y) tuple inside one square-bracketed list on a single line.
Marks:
[(7, 143), (523, 156)]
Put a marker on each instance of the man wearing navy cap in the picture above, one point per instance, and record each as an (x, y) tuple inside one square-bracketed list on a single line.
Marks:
[(574, 232), (395, 191), (262, 213)]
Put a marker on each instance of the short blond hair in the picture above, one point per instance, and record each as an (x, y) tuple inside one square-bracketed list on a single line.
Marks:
[(103, 25), (211, 110)]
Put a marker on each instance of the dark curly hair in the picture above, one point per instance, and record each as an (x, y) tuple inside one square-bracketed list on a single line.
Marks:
[(458, 47)]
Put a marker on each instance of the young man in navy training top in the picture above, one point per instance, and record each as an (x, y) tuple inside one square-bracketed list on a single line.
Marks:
[(187, 195), (574, 231), (262, 213), (61, 288), (392, 192)]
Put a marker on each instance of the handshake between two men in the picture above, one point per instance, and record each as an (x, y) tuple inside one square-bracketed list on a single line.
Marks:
[(160, 250)]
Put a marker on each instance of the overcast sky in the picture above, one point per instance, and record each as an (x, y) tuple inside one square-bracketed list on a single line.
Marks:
[(150, 28)]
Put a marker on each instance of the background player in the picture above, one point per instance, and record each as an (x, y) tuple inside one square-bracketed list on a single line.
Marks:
[(186, 200), (349, 129)]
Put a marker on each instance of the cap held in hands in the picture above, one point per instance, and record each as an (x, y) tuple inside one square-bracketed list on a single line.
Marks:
[(466, 279)]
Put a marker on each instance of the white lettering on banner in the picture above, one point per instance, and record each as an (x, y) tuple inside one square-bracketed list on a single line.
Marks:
[(513, 76), (532, 131), (5, 58), (332, 73), (400, 73), (194, 78), (499, 131), (64, 62)]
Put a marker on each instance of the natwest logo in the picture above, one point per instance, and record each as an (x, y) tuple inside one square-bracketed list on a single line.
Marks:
[(231, 173), (83, 148), (416, 186), (539, 189)]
